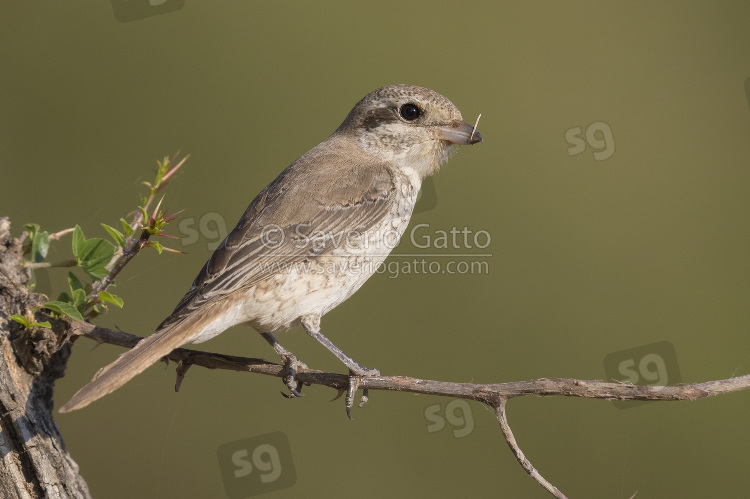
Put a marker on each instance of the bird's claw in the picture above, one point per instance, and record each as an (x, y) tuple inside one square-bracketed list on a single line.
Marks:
[(291, 365), (355, 380)]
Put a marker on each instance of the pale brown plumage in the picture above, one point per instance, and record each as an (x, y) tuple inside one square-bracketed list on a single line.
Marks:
[(364, 178)]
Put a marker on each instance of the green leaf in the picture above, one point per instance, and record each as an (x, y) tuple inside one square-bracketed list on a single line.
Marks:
[(37, 243), (162, 170), (63, 308), (74, 282), (78, 239), (157, 245), (94, 255), (144, 214), (109, 297), (64, 297), (126, 226), (32, 229), (39, 247), (21, 320), (26, 324), (79, 299), (116, 235)]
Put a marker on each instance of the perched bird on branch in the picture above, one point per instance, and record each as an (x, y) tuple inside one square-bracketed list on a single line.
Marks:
[(313, 236)]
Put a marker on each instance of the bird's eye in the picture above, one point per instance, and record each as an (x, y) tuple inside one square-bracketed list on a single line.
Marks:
[(410, 112)]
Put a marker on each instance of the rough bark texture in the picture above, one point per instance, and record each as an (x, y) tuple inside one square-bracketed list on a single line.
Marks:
[(33, 460)]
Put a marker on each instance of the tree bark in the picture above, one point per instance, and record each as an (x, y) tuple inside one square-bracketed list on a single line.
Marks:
[(34, 462)]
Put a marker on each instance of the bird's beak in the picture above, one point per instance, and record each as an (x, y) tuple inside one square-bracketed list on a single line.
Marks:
[(460, 133)]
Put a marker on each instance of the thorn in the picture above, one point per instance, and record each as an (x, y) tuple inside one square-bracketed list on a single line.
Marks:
[(156, 210), (171, 250), (182, 368), (99, 342), (475, 127), (338, 395)]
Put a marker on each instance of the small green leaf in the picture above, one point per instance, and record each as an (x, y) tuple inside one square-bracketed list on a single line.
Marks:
[(94, 255), (116, 235), (109, 297), (64, 297), (79, 299), (126, 226), (26, 324), (32, 229), (144, 214), (78, 240), (157, 245), (39, 247), (21, 320), (74, 282), (37, 243), (97, 272), (64, 309)]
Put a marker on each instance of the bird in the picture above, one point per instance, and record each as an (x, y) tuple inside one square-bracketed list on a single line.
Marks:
[(312, 237)]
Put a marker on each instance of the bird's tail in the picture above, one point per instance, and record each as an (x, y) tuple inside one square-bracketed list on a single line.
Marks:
[(134, 361)]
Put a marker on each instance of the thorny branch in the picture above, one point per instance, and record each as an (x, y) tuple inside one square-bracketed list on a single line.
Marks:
[(494, 395), (140, 226)]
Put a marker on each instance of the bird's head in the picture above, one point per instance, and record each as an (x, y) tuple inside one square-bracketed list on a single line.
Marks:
[(408, 126)]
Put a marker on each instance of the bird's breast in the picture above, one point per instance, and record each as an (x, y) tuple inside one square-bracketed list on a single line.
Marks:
[(320, 283)]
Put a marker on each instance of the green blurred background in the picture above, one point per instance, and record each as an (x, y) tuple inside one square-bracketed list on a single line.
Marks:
[(589, 256)]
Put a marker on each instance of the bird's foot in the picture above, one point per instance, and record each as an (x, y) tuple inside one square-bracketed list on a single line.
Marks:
[(291, 365), (355, 380)]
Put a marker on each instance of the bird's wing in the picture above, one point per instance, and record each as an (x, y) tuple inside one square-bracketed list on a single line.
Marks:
[(286, 230), (311, 195)]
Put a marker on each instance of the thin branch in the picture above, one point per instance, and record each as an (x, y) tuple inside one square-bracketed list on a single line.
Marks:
[(58, 235), (43, 265), (132, 245), (128, 254), (494, 395), (520, 457)]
